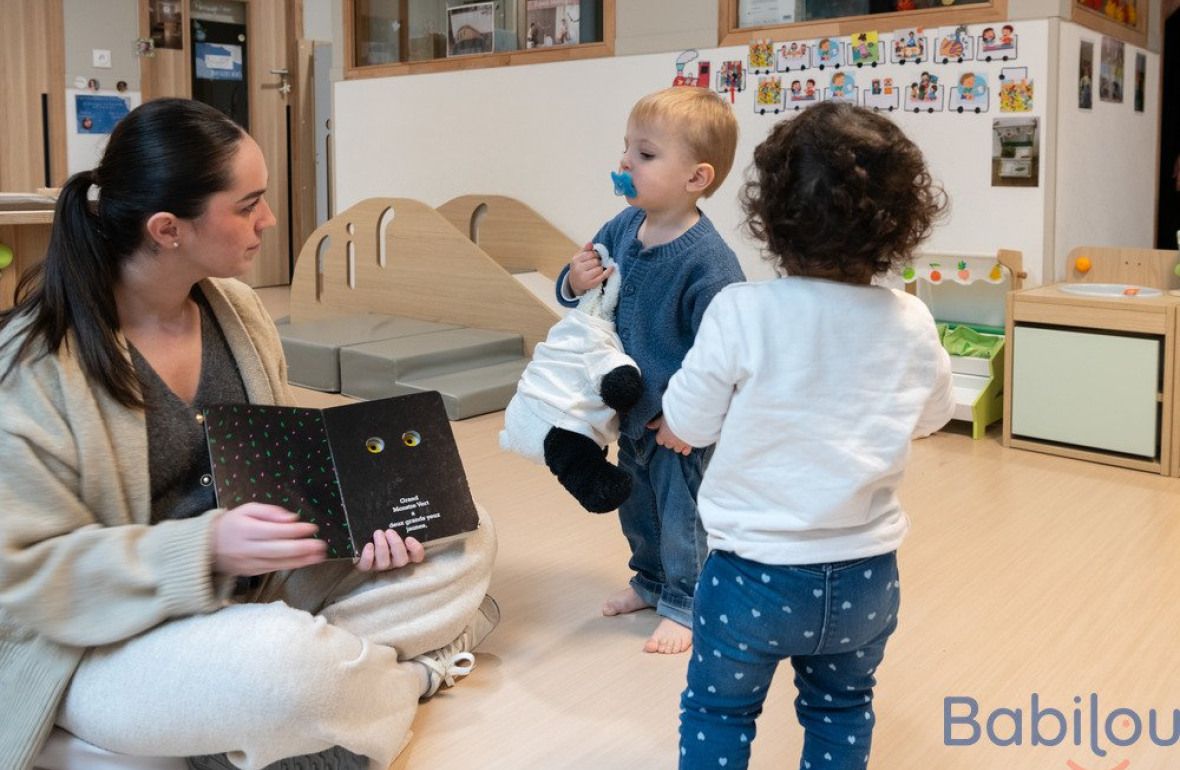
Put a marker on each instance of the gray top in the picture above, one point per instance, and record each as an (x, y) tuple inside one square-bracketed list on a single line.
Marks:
[(178, 460)]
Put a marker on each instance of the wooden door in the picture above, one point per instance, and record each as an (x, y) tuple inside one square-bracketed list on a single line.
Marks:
[(32, 126), (268, 32)]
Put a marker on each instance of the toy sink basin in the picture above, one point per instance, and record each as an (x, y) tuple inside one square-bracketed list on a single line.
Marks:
[(1109, 290)]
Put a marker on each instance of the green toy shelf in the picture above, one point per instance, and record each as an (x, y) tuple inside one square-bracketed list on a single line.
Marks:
[(966, 294)]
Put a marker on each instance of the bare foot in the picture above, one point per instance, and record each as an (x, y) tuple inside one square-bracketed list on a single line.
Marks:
[(669, 638), (623, 602)]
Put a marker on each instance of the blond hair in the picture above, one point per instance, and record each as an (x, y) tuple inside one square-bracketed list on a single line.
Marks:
[(702, 119)]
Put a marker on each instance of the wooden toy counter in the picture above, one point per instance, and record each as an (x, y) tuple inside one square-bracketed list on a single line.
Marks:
[(1093, 378), (25, 222)]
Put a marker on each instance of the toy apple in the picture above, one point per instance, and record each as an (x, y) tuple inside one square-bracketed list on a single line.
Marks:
[(5, 255), (935, 276)]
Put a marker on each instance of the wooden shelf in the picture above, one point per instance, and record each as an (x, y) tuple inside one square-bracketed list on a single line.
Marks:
[(26, 217)]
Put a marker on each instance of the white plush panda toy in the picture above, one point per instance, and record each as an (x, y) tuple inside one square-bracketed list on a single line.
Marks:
[(567, 404)]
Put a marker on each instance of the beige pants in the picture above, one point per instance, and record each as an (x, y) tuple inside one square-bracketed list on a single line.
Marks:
[(325, 662)]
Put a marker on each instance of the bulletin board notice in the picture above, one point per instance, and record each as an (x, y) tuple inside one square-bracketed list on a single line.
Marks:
[(756, 13)]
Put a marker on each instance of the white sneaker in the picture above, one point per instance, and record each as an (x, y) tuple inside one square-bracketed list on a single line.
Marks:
[(454, 660)]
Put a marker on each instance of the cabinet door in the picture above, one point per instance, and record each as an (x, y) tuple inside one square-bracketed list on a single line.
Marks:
[(1093, 390), (32, 79)]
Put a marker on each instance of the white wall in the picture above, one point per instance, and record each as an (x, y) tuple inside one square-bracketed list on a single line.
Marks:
[(1107, 156), (323, 20), (646, 26), (111, 25), (549, 135)]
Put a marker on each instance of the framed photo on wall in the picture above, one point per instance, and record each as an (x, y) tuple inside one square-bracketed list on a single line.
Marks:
[(1110, 73), (471, 29), (166, 22), (1140, 80), (1086, 75), (1016, 151), (553, 22)]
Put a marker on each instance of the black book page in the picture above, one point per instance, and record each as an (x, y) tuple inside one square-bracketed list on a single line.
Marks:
[(399, 468)]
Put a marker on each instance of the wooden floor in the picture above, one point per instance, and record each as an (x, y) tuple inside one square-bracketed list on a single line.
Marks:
[(1023, 574)]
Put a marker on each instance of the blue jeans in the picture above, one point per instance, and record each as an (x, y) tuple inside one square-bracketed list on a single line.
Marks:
[(831, 620), (661, 524)]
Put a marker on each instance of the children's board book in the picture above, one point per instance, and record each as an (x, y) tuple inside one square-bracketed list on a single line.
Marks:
[(352, 469)]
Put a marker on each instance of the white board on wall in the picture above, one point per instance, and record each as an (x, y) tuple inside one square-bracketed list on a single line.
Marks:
[(549, 134)]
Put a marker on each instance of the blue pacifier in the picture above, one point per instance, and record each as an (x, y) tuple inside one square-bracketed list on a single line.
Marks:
[(624, 185)]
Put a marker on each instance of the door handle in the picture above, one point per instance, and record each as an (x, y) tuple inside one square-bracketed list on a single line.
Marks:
[(284, 85)]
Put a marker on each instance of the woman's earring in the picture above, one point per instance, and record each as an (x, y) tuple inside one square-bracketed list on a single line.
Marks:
[(176, 244)]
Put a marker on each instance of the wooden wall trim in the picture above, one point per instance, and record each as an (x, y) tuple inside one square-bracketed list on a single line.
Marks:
[(1096, 21), (477, 61), (730, 34)]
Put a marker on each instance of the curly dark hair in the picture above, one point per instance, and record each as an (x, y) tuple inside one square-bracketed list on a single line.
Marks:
[(840, 192)]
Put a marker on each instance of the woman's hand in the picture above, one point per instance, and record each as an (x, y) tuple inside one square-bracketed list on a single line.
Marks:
[(666, 438), (389, 551), (586, 270), (254, 539)]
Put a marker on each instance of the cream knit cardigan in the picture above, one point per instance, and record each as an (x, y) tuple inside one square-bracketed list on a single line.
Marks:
[(80, 565)]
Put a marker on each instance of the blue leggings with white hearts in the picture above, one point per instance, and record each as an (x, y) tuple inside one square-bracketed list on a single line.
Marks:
[(831, 620)]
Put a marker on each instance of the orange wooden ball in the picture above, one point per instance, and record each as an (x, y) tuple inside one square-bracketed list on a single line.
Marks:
[(1082, 265)]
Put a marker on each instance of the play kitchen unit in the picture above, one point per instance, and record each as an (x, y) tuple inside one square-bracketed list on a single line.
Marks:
[(1091, 363)]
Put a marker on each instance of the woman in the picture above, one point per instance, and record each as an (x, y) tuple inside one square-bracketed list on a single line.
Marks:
[(138, 622)]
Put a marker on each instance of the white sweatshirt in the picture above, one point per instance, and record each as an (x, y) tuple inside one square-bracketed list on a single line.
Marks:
[(812, 390)]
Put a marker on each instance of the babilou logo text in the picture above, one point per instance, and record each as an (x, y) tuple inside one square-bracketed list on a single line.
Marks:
[(1087, 723)]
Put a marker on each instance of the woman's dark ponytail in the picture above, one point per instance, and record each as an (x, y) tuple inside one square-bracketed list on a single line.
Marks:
[(167, 155)]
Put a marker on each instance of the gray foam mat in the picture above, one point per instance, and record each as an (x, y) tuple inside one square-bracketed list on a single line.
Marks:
[(313, 348)]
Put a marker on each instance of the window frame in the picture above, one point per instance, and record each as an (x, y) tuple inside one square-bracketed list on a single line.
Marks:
[(1100, 22), (353, 71), (929, 18)]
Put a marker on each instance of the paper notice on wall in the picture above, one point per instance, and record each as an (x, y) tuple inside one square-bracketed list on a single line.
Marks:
[(755, 13), (98, 113), (219, 61), (90, 118)]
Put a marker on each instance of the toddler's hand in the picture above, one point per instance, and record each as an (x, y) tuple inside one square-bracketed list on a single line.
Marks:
[(586, 270), (389, 551), (666, 438)]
